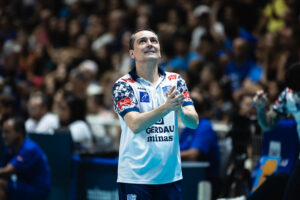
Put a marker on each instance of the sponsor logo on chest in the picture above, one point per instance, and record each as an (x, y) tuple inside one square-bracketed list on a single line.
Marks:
[(144, 97)]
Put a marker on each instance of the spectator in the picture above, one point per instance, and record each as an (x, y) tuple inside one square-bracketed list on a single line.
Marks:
[(7, 105), (256, 74), (207, 75), (10, 70), (221, 101), (25, 171), (71, 112), (40, 119), (102, 122), (175, 17), (183, 56), (273, 14), (123, 62), (201, 144), (240, 65), (208, 51), (206, 24), (90, 70), (115, 31), (244, 126), (78, 83)]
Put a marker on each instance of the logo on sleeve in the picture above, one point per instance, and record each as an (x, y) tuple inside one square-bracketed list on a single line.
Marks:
[(144, 97), (20, 158), (186, 95), (172, 77), (124, 102)]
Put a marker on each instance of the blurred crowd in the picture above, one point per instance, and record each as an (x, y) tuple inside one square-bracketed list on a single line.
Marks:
[(59, 60)]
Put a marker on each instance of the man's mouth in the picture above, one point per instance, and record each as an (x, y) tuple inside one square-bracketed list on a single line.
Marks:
[(150, 51)]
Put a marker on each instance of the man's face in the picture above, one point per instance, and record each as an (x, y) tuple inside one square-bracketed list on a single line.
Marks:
[(9, 134), (35, 108), (246, 106), (146, 47), (64, 113), (239, 47)]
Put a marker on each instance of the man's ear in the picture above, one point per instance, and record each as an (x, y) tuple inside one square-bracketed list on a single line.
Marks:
[(131, 54)]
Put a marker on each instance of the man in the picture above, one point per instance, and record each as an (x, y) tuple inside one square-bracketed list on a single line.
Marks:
[(287, 103), (40, 120), (148, 101), (239, 68), (25, 172), (7, 106)]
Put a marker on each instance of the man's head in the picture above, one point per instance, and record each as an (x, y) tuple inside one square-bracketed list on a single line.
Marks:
[(37, 106), (7, 104), (245, 105), (144, 46), (13, 131), (240, 48), (292, 77)]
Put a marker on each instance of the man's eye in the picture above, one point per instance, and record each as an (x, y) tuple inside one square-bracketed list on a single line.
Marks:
[(154, 41)]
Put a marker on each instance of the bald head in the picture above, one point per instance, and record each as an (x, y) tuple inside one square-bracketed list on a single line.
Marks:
[(240, 48)]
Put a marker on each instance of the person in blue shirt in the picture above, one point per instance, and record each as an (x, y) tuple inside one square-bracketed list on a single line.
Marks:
[(288, 103), (202, 144), (240, 66), (24, 172), (183, 57)]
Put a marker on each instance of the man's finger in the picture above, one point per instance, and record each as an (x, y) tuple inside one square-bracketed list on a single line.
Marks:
[(172, 89), (173, 94)]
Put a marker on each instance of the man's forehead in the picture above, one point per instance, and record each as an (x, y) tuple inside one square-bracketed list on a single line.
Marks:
[(36, 100), (9, 123), (142, 34)]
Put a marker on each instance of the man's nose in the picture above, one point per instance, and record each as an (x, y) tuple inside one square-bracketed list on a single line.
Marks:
[(149, 43)]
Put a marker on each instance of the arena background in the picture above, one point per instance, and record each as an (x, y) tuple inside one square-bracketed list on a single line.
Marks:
[(226, 50)]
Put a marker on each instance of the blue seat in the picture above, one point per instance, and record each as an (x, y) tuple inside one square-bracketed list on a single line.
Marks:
[(280, 150)]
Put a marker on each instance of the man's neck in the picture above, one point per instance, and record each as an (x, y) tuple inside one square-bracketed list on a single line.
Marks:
[(241, 60), (148, 71), (37, 119), (17, 146)]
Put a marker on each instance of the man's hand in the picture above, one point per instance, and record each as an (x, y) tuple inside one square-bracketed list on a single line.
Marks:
[(260, 100), (266, 119), (187, 113), (174, 99)]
